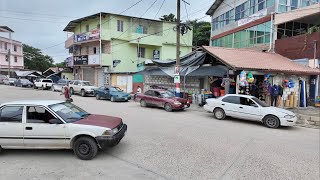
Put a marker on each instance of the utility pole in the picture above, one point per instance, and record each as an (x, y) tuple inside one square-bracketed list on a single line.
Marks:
[(177, 68), (9, 55)]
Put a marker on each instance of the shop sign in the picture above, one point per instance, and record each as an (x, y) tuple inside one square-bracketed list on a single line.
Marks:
[(69, 61), (94, 59), (93, 34), (253, 17), (116, 62), (176, 79), (176, 70), (81, 60), (156, 54)]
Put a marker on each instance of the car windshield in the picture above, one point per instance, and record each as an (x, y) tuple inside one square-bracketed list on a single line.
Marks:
[(261, 103), (69, 112), (49, 81), (86, 84), (115, 89), (167, 94)]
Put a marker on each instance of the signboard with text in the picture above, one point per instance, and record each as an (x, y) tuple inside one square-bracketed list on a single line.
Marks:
[(93, 34), (156, 54), (94, 59), (81, 60), (69, 61), (253, 17)]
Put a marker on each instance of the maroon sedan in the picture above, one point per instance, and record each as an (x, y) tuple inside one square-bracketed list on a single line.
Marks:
[(162, 98)]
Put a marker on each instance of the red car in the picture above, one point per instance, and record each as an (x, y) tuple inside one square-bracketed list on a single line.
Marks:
[(162, 98)]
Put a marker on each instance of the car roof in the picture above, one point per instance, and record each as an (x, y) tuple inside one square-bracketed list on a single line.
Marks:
[(239, 95), (33, 102)]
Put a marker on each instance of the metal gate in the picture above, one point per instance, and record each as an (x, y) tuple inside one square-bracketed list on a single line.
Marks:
[(88, 75)]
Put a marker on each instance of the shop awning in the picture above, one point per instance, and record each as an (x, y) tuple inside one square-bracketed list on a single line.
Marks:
[(192, 59), (245, 59)]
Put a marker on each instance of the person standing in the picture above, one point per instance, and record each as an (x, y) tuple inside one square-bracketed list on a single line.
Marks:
[(67, 94), (274, 95)]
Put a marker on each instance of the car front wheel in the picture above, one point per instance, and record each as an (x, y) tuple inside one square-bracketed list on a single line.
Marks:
[(98, 97), (112, 99), (219, 114), (83, 93), (271, 121), (143, 103), (85, 148), (168, 107)]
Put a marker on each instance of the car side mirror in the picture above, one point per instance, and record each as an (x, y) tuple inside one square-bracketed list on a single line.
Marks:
[(55, 121)]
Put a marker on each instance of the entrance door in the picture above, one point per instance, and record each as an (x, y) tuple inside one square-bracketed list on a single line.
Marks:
[(11, 126), (38, 132)]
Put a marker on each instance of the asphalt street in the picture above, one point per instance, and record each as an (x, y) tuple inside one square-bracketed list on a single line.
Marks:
[(178, 145)]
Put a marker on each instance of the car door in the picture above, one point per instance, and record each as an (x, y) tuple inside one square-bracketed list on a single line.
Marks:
[(76, 85), (149, 97), (11, 126), (248, 109), (230, 104), (106, 93), (39, 133), (157, 100)]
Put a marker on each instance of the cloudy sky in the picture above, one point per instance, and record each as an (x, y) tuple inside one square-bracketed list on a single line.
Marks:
[(39, 23)]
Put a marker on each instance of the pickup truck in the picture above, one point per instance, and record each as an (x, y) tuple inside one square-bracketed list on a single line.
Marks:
[(43, 84), (82, 87)]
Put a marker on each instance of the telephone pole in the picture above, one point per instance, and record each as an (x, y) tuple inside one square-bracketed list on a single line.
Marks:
[(177, 68), (9, 55)]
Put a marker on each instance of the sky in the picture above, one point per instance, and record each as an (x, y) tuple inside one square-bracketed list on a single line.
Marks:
[(40, 23)]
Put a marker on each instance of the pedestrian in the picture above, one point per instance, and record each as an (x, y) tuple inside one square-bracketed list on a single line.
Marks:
[(138, 92), (274, 95), (66, 93)]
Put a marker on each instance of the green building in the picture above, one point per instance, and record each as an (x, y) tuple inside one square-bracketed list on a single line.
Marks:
[(106, 48)]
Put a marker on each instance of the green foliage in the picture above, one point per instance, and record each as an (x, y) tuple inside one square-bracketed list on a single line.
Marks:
[(61, 65), (169, 18), (201, 32), (35, 60)]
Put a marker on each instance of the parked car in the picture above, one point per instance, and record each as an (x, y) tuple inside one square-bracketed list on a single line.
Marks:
[(2, 78), (9, 81), (57, 125), (43, 84), (249, 108), (82, 87), (59, 85), (23, 83), (162, 98), (111, 93)]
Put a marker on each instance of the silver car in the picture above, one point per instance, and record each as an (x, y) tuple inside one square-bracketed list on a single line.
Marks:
[(59, 85)]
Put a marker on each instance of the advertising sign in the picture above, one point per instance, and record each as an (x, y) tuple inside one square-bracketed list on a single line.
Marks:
[(176, 79), (176, 70), (253, 17), (81, 60), (93, 34), (94, 59), (69, 61), (156, 54)]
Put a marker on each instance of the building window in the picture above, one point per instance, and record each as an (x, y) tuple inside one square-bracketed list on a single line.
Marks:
[(87, 28), (252, 7), (15, 48), (119, 25), (95, 50), (7, 58), (15, 59), (241, 11), (294, 4), (5, 46), (103, 48), (141, 52), (221, 20), (98, 26), (87, 50)]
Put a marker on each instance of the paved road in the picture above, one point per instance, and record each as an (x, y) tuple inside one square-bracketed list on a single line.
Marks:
[(179, 145)]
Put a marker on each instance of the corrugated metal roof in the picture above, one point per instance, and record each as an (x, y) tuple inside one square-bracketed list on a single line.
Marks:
[(239, 59)]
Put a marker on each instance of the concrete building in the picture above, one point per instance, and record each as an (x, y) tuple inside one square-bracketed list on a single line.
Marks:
[(16, 58), (105, 45), (249, 23)]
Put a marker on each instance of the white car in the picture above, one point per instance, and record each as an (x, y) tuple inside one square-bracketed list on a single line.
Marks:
[(43, 84), (57, 125), (249, 108), (9, 81), (82, 87)]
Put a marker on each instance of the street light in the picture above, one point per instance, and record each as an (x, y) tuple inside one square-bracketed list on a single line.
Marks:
[(8, 30)]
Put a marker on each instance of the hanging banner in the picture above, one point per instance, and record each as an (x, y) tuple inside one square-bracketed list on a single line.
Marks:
[(253, 17), (156, 55), (176, 79)]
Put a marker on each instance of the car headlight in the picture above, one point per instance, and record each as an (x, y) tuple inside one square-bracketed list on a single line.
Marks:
[(289, 116), (107, 133), (115, 130), (177, 103)]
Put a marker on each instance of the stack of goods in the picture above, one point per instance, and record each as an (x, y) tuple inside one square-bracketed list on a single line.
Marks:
[(292, 100)]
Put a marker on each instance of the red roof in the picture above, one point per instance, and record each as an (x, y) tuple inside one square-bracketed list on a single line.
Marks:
[(241, 59)]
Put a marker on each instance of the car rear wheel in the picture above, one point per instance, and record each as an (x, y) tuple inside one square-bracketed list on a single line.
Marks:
[(83, 93), (271, 121), (143, 103), (168, 107), (85, 148), (71, 91), (219, 114), (98, 97)]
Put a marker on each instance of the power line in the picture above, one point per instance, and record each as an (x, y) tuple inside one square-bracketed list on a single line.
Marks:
[(185, 6), (42, 14), (34, 20), (159, 9), (51, 46), (137, 19)]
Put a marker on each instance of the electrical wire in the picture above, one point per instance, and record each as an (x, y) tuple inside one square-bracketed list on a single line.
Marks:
[(33, 13), (34, 20)]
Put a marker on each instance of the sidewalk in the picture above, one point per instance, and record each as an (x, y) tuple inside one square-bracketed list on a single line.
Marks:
[(307, 117)]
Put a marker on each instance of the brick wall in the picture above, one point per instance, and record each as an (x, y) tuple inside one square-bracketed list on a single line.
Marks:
[(192, 83)]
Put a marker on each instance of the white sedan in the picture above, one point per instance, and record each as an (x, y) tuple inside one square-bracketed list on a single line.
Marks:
[(249, 108), (57, 125)]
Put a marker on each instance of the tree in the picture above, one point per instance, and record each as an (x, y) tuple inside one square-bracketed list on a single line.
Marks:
[(169, 18), (61, 65), (201, 32), (35, 60)]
